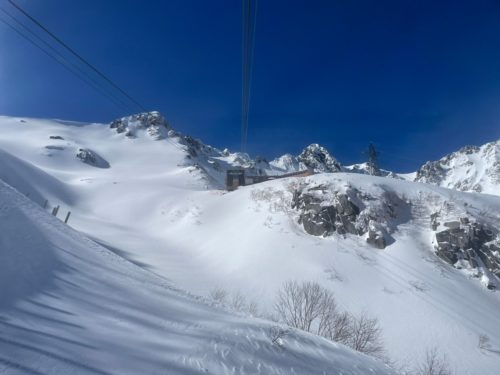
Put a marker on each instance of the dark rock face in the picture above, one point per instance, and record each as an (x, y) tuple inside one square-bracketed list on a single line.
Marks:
[(92, 158), (470, 242), (376, 239), (55, 137), (323, 210), (324, 220)]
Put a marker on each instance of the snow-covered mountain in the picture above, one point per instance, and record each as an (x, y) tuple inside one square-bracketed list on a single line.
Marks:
[(472, 168), (418, 257)]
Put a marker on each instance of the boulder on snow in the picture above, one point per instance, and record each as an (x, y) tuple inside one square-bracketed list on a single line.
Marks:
[(376, 236), (91, 158), (376, 239)]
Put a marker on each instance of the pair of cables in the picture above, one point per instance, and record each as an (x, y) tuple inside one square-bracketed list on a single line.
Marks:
[(248, 15), (68, 58)]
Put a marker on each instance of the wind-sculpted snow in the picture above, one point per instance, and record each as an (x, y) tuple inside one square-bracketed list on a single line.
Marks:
[(67, 305)]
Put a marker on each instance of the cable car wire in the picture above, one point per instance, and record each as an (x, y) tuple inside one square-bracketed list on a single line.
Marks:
[(59, 58), (77, 55), (249, 16)]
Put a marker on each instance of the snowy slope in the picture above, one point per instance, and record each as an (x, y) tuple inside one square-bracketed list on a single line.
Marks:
[(156, 204), (472, 168), (68, 306)]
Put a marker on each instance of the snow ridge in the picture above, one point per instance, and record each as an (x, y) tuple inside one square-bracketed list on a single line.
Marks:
[(471, 169)]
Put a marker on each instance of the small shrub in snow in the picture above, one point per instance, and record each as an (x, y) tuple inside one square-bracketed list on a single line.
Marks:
[(434, 363), (219, 295), (238, 301), (484, 342), (235, 301), (277, 334)]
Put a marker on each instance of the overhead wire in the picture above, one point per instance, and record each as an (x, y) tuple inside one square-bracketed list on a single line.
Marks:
[(56, 56), (249, 12), (77, 55)]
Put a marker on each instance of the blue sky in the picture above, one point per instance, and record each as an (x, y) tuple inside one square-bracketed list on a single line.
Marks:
[(419, 79)]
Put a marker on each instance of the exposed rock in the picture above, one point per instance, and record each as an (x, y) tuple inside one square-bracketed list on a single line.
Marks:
[(92, 158), (318, 159), (323, 220), (472, 242), (321, 216), (153, 122), (55, 137), (375, 239), (376, 235)]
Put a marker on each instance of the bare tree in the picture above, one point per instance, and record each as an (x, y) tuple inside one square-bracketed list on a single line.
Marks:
[(434, 364), (253, 308), (312, 308), (366, 336), (340, 328), (300, 305), (238, 301)]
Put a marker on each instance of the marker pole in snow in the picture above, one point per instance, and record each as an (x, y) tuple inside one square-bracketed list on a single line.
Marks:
[(67, 217)]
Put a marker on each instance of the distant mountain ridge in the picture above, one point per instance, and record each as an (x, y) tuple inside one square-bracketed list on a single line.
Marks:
[(470, 169)]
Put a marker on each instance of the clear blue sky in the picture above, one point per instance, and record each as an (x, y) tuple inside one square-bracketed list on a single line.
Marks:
[(417, 78)]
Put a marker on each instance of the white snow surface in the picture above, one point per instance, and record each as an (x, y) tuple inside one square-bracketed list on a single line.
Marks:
[(70, 306), (154, 207)]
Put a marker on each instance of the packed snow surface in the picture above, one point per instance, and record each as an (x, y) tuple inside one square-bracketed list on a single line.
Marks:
[(159, 206)]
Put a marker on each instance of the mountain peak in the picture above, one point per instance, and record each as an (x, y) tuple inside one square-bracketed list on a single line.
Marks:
[(153, 122), (471, 169), (318, 158)]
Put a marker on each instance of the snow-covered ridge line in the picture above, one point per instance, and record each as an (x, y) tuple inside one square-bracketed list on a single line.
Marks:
[(471, 169)]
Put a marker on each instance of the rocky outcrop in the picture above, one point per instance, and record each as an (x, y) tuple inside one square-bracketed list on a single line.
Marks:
[(153, 122), (466, 244), (320, 220), (318, 159), (323, 212), (91, 158)]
